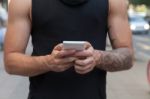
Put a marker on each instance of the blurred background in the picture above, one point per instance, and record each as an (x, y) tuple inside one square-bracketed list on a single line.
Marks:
[(132, 84)]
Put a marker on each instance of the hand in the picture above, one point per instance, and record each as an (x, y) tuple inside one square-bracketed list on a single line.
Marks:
[(86, 59), (60, 59)]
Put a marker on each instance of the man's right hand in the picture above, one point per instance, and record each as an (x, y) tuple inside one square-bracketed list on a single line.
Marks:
[(60, 59)]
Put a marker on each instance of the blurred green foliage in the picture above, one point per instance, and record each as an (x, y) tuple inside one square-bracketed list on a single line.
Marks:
[(136, 2)]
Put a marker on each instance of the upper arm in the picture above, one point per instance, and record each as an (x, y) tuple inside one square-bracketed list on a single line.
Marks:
[(19, 26), (119, 30)]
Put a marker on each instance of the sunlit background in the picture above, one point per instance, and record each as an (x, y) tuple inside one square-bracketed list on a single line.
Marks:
[(132, 84)]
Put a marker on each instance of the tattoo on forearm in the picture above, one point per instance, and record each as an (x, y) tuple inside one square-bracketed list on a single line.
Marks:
[(116, 60)]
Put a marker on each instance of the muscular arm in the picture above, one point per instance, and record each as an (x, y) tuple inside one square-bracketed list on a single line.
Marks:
[(121, 57), (17, 36)]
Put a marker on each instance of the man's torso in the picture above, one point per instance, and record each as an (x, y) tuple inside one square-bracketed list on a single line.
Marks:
[(53, 22)]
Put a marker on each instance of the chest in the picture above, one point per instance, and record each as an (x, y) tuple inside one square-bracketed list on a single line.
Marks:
[(49, 11)]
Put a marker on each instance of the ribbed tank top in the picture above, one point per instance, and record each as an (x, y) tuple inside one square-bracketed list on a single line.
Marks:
[(53, 22)]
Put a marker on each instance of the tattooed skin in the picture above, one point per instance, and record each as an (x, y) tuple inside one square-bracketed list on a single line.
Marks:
[(116, 60)]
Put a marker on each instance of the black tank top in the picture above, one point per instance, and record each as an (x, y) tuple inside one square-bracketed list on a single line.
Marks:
[(54, 21)]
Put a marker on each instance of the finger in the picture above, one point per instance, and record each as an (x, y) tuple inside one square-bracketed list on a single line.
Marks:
[(65, 60), (87, 45), (65, 53), (65, 67), (58, 47), (85, 62), (61, 68), (84, 71), (81, 68), (68, 65), (84, 53)]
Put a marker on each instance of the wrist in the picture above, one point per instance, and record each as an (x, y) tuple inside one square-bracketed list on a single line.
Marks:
[(98, 57), (46, 62)]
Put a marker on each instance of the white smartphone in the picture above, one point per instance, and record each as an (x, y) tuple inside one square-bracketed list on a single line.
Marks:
[(77, 45)]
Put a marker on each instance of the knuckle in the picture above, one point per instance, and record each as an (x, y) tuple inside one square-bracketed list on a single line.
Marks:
[(83, 63), (55, 54), (80, 62), (77, 63), (85, 68), (92, 60), (56, 61), (59, 54), (76, 67), (90, 52), (70, 59), (62, 69), (88, 43)]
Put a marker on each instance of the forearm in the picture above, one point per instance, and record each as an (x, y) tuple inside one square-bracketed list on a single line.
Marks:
[(20, 64), (115, 60)]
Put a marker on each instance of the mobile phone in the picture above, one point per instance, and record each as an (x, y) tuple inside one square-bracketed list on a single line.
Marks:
[(77, 45)]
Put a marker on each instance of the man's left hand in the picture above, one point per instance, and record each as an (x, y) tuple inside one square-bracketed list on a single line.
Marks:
[(86, 59)]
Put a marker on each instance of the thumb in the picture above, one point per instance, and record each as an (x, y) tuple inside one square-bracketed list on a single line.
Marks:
[(59, 47)]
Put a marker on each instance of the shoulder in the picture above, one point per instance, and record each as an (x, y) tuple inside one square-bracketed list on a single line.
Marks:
[(20, 6), (118, 5)]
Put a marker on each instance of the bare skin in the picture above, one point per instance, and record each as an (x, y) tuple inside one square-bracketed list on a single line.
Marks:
[(19, 23), (121, 58)]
